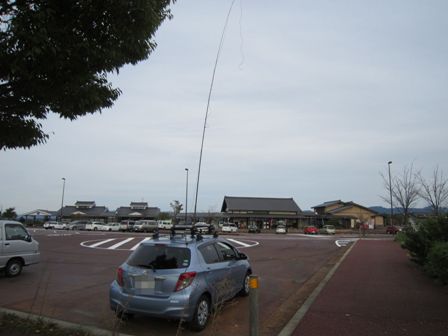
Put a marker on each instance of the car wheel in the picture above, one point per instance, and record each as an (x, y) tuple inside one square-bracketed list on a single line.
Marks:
[(246, 285), (201, 314), (13, 268), (121, 314)]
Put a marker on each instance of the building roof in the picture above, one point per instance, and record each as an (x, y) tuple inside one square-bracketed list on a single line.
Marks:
[(138, 213), (40, 212), (231, 203), (70, 210), (327, 204), (343, 206)]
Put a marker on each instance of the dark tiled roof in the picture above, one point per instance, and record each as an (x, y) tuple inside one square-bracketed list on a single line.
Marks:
[(70, 210), (138, 213), (326, 204), (259, 204)]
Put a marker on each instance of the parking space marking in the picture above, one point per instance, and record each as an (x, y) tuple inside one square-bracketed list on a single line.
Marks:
[(122, 244), (133, 248), (242, 244), (344, 242), (113, 247), (99, 243)]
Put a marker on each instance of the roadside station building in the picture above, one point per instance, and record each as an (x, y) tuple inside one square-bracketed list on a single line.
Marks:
[(349, 214), (263, 212), (84, 210), (137, 211)]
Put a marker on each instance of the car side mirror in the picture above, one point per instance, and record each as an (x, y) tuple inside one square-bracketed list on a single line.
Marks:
[(242, 256), (28, 238)]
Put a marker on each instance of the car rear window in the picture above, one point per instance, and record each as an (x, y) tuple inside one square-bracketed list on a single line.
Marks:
[(160, 257)]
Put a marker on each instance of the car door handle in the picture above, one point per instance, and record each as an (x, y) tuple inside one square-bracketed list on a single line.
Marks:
[(6, 244)]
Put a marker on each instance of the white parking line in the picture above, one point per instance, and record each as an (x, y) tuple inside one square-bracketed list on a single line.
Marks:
[(101, 242), (147, 238), (241, 243), (113, 247), (344, 242)]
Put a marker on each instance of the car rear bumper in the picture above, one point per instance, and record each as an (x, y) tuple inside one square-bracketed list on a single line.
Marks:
[(176, 306)]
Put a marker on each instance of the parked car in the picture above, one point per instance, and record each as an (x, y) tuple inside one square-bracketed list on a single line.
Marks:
[(17, 248), (182, 226), (180, 279), (203, 227), (328, 229), (229, 227), (110, 227), (253, 228), (165, 224), (393, 229), (127, 225), (78, 225), (310, 230), (94, 226), (145, 226), (281, 228), (55, 225)]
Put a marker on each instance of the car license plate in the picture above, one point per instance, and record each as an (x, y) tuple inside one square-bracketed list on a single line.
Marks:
[(142, 282)]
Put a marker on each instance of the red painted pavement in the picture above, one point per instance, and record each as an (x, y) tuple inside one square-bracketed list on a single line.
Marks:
[(378, 291)]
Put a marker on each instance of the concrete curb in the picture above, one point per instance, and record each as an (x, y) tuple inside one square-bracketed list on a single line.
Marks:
[(62, 324), (291, 326)]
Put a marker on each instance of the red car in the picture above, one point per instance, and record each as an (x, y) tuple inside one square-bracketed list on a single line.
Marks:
[(392, 229), (310, 230)]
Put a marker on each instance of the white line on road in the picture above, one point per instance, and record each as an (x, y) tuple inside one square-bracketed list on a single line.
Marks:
[(101, 242), (344, 242), (113, 247), (147, 238), (240, 243)]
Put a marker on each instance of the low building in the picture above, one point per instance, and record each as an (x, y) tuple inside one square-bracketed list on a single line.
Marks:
[(349, 214), (263, 212), (38, 215), (137, 211), (84, 210)]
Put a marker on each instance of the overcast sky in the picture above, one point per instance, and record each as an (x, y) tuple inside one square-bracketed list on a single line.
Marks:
[(311, 99)]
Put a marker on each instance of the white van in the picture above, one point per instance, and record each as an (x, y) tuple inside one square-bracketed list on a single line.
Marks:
[(145, 226), (17, 248)]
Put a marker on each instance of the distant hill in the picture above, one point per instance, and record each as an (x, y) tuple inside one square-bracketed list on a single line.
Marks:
[(416, 211)]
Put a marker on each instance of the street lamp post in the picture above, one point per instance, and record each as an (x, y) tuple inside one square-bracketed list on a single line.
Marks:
[(186, 198), (390, 192), (63, 190)]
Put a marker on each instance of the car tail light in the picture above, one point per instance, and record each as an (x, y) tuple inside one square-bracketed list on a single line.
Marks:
[(120, 280), (185, 280)]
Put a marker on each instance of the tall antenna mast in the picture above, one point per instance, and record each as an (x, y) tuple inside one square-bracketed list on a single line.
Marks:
[(208, 105)]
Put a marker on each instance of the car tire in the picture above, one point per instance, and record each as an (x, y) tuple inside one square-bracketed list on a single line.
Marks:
[(202, 314), (246, 286), (122, 315), (13, 268)]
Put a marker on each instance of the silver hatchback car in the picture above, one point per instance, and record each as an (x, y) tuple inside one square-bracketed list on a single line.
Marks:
[(180, 278)]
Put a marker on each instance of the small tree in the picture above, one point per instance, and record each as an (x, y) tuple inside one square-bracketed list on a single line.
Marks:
[(434, 191), (10, 213), (405, 190), (177, 208)]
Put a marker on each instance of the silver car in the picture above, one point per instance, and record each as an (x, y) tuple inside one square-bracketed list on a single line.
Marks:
[(181, 278)]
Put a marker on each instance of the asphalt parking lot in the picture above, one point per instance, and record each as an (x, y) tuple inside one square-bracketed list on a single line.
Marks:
[(71, 283)]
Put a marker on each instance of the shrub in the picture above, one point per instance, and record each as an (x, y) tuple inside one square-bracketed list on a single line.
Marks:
[(419, 242), (437, 261), (428, 246)]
